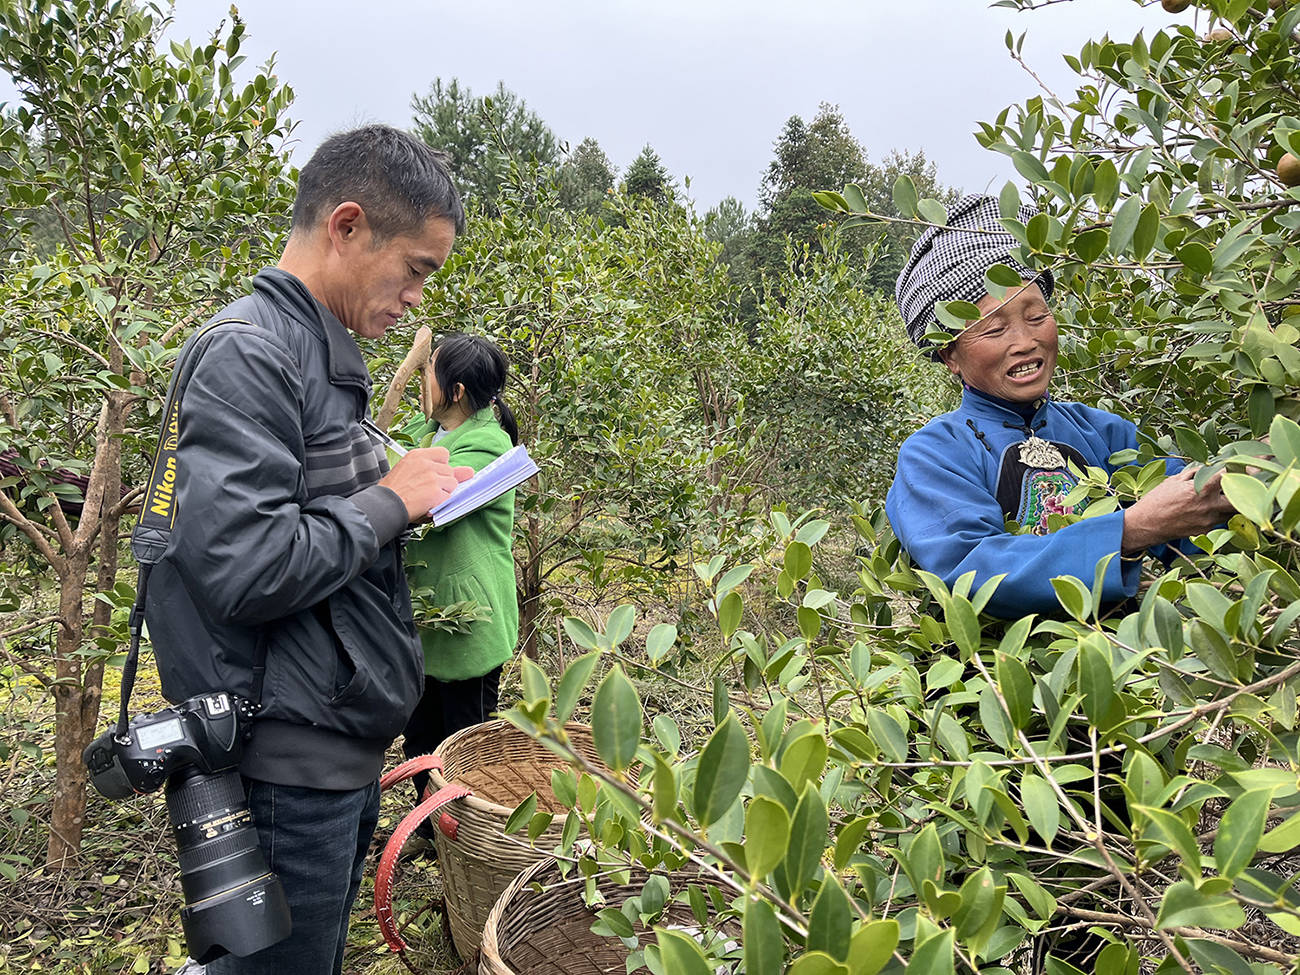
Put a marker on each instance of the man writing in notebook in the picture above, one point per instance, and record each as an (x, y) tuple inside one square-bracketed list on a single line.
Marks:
[(283, 581)]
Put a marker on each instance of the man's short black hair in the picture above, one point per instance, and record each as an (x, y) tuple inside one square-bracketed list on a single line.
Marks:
[(397, 180)]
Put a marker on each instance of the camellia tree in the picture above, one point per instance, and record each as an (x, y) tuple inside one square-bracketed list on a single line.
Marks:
[(894, 782), (167, 183), (611, 332)]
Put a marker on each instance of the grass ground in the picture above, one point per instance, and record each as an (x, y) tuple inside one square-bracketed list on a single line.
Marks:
[(118, 909)]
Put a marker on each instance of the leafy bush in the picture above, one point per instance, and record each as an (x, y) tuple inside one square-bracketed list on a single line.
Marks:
[(899, 783), (141, 183)]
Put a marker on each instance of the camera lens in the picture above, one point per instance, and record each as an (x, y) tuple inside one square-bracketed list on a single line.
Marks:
[(232, 901)]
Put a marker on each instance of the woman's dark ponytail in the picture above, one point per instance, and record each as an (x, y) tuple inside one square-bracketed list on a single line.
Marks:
[(480, 367), (507, 419)]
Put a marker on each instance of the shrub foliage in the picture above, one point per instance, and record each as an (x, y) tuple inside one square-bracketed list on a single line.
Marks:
[(894, 782)]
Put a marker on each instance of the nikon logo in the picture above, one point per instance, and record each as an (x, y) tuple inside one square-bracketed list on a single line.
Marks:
[(173, 428), (163, 495)]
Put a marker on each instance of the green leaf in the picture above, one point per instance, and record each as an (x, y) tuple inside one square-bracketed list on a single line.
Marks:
[(616, 720), (887, 735), (1282, 838), (1240, 831), (1170, 830), (944, 672), (721, 772), (981, 906), (539, 824), (905, 197), (831, 922), (1105, 186), (663, 799), (733, 577), (933, 956), (807, 843), (1284, 439), (962, 312), (798, 560), (1144, 234), (815, 963), (1073, 596), (1041, 806), (924, 858), (681, 954), (804, 759), (580, 633), (818, 598), (721, 700), (810, 622), (729, 613), (853, 195), (660, 640), (535, 685), (767, 834), (873, 946), (1261, 407), (1036, 896), (1029, 167), (1250, 496), (1017, 688), (830, 200), (1001, 276), (573, 683), (619, 626), (522, 813), (1124, 224), (932, 211), (849, 839), (1009, 200), (617, 922), (1091, 244), (1196, 257), (1097, 684), (963, 624), (564, 786), (764, 947), (1185, 906)]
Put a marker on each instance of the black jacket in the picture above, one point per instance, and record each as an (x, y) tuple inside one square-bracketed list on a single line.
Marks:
[(282, 538)]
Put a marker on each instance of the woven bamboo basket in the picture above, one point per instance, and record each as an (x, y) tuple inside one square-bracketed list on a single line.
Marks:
[(502, 765), (548, 932)]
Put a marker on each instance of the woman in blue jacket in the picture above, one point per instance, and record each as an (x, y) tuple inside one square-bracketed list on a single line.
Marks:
[(1004, 453)]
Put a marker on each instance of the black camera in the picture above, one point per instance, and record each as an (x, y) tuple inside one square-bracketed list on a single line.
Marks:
[(233, 903)]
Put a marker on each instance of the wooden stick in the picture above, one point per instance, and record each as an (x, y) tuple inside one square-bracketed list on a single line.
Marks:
[(426, 389), (417, 357)]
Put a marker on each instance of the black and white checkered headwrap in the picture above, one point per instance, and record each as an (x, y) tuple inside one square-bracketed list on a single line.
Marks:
[(948, 263)]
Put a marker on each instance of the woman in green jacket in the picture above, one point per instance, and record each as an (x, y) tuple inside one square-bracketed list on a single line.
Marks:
[(470, 559)]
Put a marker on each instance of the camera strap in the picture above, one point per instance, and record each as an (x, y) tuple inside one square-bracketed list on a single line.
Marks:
[(153, 528)]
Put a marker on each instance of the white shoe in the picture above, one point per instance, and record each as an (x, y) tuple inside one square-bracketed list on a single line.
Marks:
[(191, 967)]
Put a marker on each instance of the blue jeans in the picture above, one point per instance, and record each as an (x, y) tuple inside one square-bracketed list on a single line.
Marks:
[(316, 842)]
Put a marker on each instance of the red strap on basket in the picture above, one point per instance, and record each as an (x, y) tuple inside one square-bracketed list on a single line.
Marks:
[(421, 763), (388, 861), (448, 824)]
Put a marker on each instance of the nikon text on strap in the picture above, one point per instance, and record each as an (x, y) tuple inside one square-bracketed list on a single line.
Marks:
[(153, 528)]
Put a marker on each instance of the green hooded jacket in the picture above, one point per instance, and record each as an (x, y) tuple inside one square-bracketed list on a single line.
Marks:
[(471, 558)]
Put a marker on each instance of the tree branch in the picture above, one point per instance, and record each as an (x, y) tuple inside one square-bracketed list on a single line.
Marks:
[(32, 530)]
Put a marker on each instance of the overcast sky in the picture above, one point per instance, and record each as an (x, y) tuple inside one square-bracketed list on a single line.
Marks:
[(707, 83)]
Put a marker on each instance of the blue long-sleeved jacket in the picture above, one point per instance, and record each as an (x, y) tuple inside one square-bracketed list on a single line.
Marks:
[(944, 509)]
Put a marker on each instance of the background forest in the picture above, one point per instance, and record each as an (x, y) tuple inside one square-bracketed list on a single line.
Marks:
[(884, 779)]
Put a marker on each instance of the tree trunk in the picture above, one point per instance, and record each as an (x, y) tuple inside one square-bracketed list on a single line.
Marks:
[(78, 686), (70, 732), (530, 588)]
